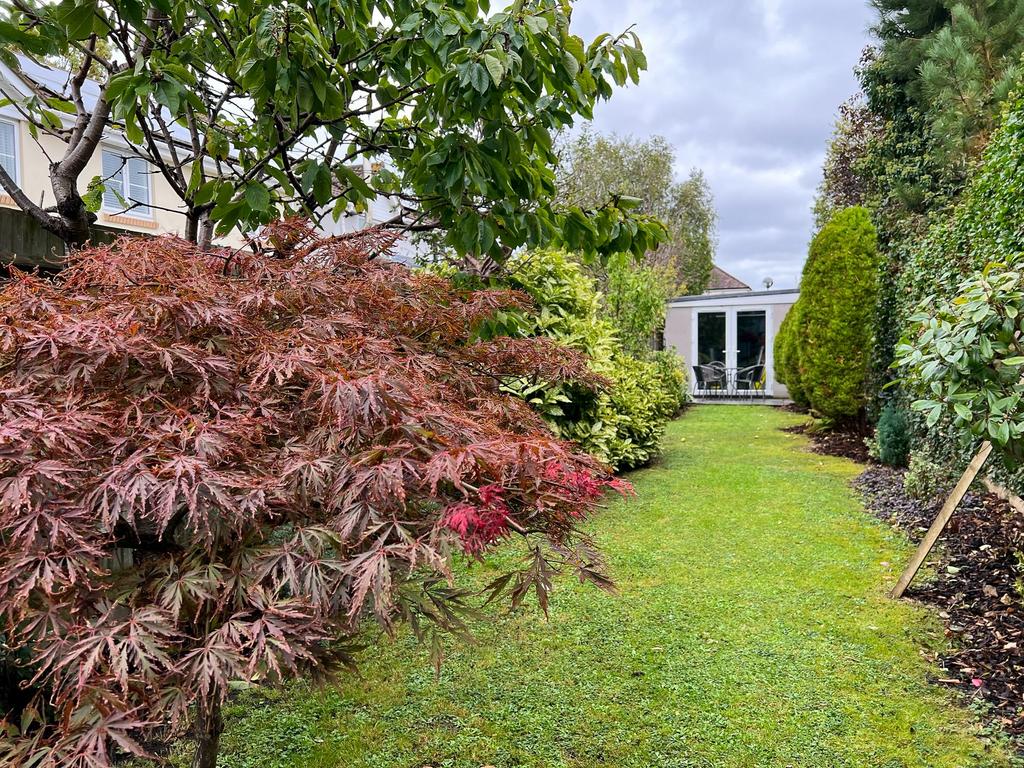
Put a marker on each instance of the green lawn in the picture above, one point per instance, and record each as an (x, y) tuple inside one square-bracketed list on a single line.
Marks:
[(751, 630)]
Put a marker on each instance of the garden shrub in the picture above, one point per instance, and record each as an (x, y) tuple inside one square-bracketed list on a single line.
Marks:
[(836, 319), (964, 359), (216, 465), (787, 355), (644, 396), (635, 297), (623, 423), (673, 382), (927, 479), (631, 412), (893, 436), (987, 226)]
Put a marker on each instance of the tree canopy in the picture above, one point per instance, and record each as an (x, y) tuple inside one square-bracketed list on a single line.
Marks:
[(932, 87), (254, 110), (593, 168)]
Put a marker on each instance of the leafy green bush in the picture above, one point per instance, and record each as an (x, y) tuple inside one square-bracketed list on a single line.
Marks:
[(673, 382), (836, 320), (926, 478), (893, 436), (631, 412), (787, 355), (623, 424), (635, 296), (965, 360), (987, 226)]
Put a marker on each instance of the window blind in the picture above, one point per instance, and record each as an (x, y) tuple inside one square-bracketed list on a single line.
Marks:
[(127, 179), (9, 148)]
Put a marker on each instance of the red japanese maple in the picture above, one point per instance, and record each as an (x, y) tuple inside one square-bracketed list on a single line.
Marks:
[(214, 465)]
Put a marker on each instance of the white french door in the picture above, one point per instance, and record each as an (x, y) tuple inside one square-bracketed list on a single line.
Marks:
[(738, 339)]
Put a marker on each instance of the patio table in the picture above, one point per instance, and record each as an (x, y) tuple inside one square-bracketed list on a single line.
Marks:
[(719, 381)]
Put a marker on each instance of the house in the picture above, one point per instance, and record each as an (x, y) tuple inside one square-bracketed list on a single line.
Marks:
[(727, 335), (153, 207)]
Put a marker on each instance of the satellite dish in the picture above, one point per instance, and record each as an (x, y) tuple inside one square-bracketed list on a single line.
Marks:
[(768, 283)]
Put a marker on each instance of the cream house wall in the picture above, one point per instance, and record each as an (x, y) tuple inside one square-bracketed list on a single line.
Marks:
[(167, 215)]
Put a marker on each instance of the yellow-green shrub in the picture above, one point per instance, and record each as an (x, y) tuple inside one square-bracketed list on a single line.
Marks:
[(623, 424)]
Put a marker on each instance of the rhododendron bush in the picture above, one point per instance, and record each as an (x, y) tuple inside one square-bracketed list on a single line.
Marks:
[(214, 465)]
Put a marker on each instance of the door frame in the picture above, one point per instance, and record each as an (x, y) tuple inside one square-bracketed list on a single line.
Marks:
[(731, 311)]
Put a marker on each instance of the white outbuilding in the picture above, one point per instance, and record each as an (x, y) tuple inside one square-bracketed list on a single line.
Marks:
[(727, 335)]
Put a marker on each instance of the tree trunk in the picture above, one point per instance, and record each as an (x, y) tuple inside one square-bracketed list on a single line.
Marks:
[(192, 227), (209, 726), (205, 232), (74, 216)]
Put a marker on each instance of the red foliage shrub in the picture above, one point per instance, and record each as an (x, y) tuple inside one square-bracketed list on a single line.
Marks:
[(214, 465)]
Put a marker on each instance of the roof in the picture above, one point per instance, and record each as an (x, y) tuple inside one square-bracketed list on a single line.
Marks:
[(722, 281), (738, 298), (57, 80)]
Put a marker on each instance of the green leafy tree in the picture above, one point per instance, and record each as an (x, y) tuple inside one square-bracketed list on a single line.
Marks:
[(844, 181), (594, 168), (836, 321), (986, 227), (635, 299), (257, 109), (932, 87)]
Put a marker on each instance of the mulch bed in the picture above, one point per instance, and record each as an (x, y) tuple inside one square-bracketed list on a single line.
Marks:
[(975, 589), (792, 408), (847, 442)]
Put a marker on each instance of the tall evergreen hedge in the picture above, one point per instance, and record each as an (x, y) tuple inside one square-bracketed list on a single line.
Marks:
[(835, 323), (787, 355), (986, 226)]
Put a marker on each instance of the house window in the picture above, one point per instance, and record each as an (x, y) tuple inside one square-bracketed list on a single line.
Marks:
[(9, 148), (126, 185)]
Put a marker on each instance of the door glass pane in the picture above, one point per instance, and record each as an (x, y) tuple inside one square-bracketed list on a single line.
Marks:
[(751, 337), (710, 338)]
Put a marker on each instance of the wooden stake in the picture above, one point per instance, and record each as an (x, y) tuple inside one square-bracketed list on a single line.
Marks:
[(941, 520)]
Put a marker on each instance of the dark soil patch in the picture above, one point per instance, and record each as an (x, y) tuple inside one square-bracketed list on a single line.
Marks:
[(792, 408), (846, 442), (975, 588)]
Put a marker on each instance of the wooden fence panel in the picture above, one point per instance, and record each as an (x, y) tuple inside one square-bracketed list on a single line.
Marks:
[(27, 245)]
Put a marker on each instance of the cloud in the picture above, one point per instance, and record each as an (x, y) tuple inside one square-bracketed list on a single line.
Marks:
[(746, 90)]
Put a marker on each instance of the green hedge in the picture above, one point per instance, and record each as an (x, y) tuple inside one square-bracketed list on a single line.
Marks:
[(622, 425), (787, 355), (986, 226)]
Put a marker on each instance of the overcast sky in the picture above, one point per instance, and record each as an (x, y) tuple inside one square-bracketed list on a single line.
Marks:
[(747, 90)]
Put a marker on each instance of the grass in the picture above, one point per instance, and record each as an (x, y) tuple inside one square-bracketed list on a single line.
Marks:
[(751, 629)]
